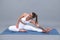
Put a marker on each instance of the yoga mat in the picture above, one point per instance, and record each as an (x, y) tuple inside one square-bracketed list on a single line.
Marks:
[(29, 32)]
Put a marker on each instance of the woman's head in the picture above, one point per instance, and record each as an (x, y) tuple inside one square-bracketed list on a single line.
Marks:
[(34, 15)]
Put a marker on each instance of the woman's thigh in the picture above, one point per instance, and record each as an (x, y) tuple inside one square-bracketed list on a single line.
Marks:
[(28, 27)]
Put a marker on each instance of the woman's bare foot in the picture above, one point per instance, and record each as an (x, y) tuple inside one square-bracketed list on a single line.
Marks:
[(47, 30), (22, 30)]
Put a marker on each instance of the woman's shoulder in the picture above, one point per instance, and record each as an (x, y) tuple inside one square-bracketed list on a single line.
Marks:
[(25, 14)]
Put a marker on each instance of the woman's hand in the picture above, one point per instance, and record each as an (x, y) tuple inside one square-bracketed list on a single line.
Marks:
[(37, 25), (16, 25)]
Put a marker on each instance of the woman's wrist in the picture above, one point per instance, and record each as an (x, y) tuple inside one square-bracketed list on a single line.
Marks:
[(37, 25)]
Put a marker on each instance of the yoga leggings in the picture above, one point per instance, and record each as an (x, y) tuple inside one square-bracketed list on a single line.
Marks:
[(26, 27)]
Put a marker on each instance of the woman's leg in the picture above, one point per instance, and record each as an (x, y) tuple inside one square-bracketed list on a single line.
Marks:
[(13, 28), (28, 27)]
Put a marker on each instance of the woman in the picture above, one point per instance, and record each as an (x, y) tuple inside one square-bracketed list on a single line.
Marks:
[(22, 24)]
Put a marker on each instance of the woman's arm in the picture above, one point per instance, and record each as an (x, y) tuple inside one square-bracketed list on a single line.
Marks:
[(19, 19), (37, 24)]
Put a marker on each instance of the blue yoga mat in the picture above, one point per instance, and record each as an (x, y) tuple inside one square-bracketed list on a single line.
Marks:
[(52, 32)]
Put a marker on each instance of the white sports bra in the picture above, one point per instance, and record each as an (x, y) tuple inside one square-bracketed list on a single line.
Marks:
[(24, 19)]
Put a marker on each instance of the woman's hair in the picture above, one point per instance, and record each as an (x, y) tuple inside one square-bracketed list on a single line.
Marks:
[(34, 15)]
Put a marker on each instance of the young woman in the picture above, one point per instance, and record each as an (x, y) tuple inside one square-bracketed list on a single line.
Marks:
[(22, 24)]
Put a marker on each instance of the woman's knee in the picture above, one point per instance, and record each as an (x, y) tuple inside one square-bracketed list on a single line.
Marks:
[(9, 28)]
